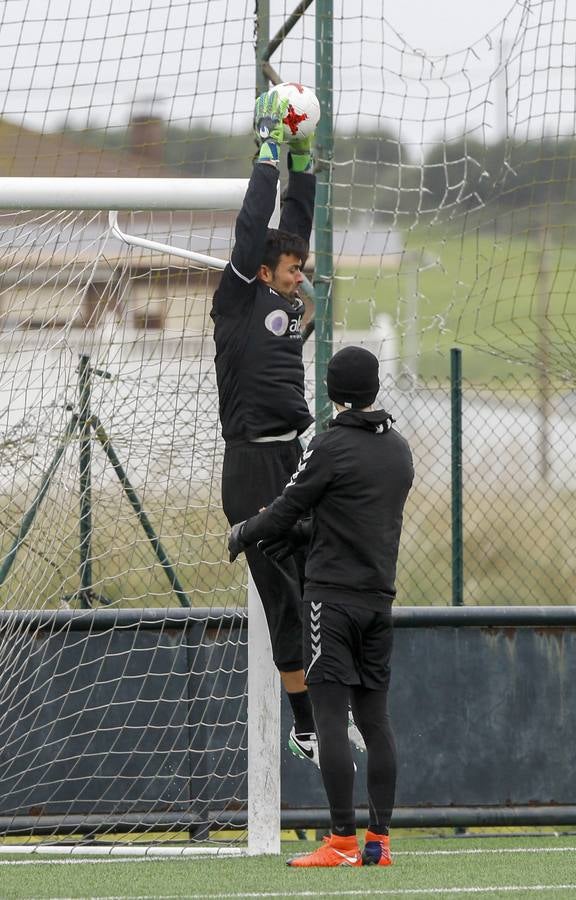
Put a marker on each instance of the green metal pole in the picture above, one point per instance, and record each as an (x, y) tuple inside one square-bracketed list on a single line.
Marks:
[(85, 483), (457, 504), (139, 510), (30, 514), (262, 41), (323, 272)]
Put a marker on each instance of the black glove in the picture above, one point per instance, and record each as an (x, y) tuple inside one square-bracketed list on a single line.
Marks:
[(280, 548), (235, 543)]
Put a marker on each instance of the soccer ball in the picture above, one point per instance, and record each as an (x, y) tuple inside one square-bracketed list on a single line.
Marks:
[(303, 112)]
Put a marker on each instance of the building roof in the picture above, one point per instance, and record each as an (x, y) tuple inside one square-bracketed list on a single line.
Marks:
[(24, 152)]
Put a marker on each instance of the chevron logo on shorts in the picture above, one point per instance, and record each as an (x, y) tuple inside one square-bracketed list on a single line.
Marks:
[(315, 611)]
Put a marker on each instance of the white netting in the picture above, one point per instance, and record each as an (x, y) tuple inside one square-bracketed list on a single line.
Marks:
[(141, 325), (115, 725)]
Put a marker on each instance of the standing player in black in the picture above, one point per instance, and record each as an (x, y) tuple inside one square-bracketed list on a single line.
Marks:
[(257, 314), (354, 478)]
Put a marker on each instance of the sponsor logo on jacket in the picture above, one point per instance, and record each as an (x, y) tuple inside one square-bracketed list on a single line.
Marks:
[(279, 323)]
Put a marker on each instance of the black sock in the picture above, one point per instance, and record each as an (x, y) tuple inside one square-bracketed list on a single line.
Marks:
[(344, 829), (302, 711), (378, 829)]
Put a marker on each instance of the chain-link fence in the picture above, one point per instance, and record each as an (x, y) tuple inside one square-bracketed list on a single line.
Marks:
[(518, 498)]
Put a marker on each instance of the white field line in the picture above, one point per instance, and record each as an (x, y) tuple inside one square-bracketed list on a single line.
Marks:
[(98, 855), (493, 891), (483, 851)]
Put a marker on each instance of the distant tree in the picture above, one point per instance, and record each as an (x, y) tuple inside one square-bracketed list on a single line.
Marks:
[(540, 172), (197, 152), (200, 151), (458, 174), (368, 173), (510, 176)]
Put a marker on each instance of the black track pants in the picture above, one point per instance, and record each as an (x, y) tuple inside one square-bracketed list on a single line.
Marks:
[(330, 701)]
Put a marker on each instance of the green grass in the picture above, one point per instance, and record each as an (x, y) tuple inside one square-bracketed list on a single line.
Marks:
[(522, 867), (473, 291)]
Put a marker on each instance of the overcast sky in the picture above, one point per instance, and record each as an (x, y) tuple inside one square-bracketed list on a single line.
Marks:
[(424, 68)]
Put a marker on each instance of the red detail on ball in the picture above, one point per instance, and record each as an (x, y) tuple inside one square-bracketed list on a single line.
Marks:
[(292, 119)]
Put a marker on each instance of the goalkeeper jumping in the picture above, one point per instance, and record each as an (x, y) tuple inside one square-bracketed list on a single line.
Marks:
[(257, 315)]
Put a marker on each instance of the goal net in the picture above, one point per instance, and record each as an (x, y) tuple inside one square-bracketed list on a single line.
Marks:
[(123, 654)]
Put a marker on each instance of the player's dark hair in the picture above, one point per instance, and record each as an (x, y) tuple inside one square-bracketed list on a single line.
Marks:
[(283, 242)]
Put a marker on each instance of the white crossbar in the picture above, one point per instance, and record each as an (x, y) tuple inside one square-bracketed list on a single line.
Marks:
[(122, 193)]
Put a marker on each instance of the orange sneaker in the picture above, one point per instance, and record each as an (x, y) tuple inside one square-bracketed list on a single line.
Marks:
[(335, 851), (376, 850)]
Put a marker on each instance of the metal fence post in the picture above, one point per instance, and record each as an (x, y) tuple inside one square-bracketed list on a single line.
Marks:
[(85, 482), (456, 429), (324, 271)]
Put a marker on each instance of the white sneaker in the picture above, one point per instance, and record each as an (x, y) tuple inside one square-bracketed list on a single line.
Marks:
[(304, 746), (354, 735)]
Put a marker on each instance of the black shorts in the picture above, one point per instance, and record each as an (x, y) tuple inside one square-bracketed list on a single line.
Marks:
[(347, 642), (253, 475)]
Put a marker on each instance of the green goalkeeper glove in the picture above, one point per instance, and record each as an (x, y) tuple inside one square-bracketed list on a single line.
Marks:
[(300, 154), (269, 111)]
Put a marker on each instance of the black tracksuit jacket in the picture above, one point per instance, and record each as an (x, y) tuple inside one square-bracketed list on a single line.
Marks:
[(259, 367), (354, 478)]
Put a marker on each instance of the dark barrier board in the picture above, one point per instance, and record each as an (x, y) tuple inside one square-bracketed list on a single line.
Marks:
[(102, 718)]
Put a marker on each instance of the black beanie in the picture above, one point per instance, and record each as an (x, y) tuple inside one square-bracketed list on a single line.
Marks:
[(352, 377)]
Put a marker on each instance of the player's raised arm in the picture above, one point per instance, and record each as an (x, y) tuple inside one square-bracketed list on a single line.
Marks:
[(299, 196), (260, 199)]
